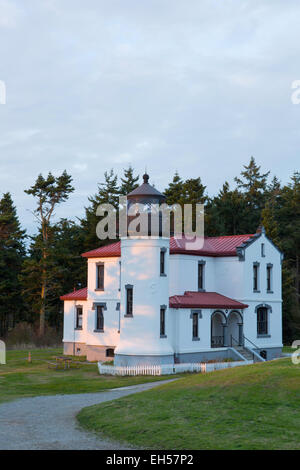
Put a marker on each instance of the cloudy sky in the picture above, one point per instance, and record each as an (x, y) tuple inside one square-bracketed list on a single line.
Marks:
[(195, 86)]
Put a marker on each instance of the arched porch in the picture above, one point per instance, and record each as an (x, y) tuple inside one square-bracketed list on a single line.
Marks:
[(218, 329), (235, 328)]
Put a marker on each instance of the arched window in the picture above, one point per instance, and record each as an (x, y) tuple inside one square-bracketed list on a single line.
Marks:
[(262, 321)]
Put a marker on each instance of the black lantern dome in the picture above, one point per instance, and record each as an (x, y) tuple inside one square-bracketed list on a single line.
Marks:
[(146, 193), (148, 199)]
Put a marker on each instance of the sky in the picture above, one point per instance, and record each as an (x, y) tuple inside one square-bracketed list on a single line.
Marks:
[(195, 86)]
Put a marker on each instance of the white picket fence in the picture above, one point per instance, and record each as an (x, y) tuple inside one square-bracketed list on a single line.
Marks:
[(166, 369)]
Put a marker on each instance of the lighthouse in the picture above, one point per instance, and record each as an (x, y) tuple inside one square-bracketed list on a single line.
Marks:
[(145, 326)]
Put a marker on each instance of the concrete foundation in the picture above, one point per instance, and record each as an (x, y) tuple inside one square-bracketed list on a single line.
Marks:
[(92, 353)]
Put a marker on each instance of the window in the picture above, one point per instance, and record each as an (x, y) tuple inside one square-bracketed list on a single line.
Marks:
[(99, 318), (110, 352), (262, 321), (262, 249), (79, 317), (129, 300), (255, 276), (100, 276), (162, 262), (269, 277), (163, 321), (195, 325), (201, 275)]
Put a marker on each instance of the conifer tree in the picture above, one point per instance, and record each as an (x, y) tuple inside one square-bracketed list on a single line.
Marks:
[(108, 192), (48, 192), (129, 182), (12, 253)]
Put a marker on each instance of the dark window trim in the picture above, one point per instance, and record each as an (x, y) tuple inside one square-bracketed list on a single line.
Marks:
[(269, 269), (78, 307), (164, 309), (256, 287), (201, 263), (199, 315), (162, 264), (262, 250), (268, 310), (98, 264), (129, 287), (102, 305)]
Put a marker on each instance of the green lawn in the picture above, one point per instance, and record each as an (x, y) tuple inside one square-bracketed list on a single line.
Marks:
[(19, 378), (250, 407)]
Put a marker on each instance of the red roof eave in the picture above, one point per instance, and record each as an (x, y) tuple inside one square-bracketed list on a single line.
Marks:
[(80, 294)]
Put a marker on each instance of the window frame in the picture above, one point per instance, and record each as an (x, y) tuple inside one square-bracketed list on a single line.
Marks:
[(77, 325), (100, 285), (262, 250), (201, 269), (162, 262), (129, 302), (255, 278), (262, 332), (98, 327), (162, 319), (269, 269), (195, 325)]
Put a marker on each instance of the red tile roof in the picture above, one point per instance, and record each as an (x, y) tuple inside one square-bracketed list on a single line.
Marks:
[(213, 246), (112, 250), (80, 294), (204, 300)]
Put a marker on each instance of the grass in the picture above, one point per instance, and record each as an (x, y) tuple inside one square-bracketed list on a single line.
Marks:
[(19, 378), (251, 407)]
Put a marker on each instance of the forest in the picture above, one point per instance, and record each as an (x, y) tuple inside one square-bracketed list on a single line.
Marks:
[(36, 270)]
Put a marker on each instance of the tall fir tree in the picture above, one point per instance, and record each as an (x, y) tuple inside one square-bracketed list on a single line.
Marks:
[(253, 184), (48, 193), (129, 182), (108, 193), (12, 254)]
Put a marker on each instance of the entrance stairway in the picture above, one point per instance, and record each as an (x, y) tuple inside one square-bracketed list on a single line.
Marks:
[(246, 352)]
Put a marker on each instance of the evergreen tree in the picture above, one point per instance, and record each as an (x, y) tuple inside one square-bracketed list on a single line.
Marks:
[(12, 253), (174, 192), (108, 192), (48, 193), (253, 185), (225, 212), (129, 182)]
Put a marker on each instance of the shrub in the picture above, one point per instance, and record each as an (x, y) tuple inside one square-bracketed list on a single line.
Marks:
[(25, 335)]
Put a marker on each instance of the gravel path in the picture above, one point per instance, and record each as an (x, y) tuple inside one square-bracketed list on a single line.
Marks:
[(49, 422)]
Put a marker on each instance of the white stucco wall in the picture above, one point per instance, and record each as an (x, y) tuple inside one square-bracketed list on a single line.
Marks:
[(140, 334), (140, 267)]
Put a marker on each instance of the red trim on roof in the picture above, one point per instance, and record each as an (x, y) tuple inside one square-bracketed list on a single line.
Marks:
[(80, 294), (204, 300), (212, 246)]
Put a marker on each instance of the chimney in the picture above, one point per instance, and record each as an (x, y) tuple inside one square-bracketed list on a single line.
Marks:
[(260, 229)]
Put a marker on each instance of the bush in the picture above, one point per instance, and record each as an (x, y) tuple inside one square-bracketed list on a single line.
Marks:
[(25, 335)]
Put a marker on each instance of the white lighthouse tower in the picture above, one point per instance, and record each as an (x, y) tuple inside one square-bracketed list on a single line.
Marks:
[(145, 326)]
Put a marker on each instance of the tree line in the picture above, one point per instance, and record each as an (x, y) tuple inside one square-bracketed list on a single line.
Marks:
[(36, 270)]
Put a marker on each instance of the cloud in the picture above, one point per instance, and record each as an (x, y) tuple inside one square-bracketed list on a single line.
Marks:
[(196, 87)]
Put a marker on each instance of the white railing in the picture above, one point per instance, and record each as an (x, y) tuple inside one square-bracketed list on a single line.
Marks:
[(166, 369)]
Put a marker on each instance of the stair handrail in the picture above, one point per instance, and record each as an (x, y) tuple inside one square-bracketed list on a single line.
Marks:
[(232, 338), (256, 347)]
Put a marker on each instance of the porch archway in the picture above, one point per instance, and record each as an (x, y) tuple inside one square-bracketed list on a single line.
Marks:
[(218, 329)]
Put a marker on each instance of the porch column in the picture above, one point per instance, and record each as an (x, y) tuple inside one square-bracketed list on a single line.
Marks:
[(240, 325), (225, 335)]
